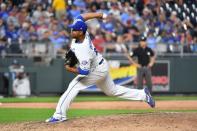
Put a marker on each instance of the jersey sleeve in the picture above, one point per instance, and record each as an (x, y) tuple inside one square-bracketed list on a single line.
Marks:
[(84, 62)]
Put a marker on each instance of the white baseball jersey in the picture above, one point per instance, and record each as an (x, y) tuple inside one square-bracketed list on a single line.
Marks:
[(92, 61), (86, 53)]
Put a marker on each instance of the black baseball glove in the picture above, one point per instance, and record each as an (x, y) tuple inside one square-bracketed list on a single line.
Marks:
[(70, 58)]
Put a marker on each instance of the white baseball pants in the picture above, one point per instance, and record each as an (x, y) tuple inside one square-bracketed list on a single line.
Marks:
[(99, 76)]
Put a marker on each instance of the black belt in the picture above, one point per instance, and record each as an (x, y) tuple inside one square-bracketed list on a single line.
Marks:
[(101, 61)]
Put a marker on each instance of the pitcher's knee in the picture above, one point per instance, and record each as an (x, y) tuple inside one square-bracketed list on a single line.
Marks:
[(111, 93)]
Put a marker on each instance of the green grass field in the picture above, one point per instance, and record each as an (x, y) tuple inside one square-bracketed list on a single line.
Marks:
[(8, 115), (89, 98)]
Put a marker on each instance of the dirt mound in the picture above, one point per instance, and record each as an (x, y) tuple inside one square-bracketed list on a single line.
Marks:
[(127, 122)]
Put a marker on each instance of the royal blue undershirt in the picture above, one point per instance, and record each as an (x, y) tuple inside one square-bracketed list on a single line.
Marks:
[(83, 72), (80, 17)]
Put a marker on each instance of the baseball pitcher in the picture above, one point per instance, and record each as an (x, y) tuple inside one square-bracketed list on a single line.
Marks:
[(92, 69)]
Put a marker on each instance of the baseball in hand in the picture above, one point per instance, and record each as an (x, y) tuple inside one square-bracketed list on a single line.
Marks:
[(104, 16)]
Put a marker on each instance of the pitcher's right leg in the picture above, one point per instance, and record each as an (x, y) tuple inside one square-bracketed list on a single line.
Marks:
[(109, 88)]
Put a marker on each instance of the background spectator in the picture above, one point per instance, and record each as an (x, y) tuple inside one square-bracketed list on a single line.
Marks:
[(21, 83), (60, 8), (170, 23)]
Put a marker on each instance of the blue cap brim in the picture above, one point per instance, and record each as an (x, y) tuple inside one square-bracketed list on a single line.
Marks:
[(70, 26)]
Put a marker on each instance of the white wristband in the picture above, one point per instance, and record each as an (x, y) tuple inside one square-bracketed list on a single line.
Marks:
[(104, 16)]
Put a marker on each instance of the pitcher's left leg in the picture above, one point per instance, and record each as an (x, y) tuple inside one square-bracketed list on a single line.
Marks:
[(65, 100), (77, 84)]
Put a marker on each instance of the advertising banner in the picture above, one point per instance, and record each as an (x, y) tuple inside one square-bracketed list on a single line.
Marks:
[(161, 76)]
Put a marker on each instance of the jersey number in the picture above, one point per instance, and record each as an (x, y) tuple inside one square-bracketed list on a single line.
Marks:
[(91, 47), (95, 51)]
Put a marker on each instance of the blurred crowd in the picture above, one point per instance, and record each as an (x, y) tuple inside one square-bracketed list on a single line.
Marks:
[(31, 21)]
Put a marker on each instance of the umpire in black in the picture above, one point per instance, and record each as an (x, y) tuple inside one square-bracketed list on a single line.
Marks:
[(145, 60)]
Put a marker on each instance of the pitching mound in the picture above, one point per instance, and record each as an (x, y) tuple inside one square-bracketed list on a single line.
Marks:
[(127, 122)]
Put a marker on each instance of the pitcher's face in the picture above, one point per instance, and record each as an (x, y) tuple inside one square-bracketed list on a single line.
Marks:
[(76, 34)]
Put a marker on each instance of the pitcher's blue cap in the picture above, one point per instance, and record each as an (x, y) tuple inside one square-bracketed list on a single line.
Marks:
[(79, 25)]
